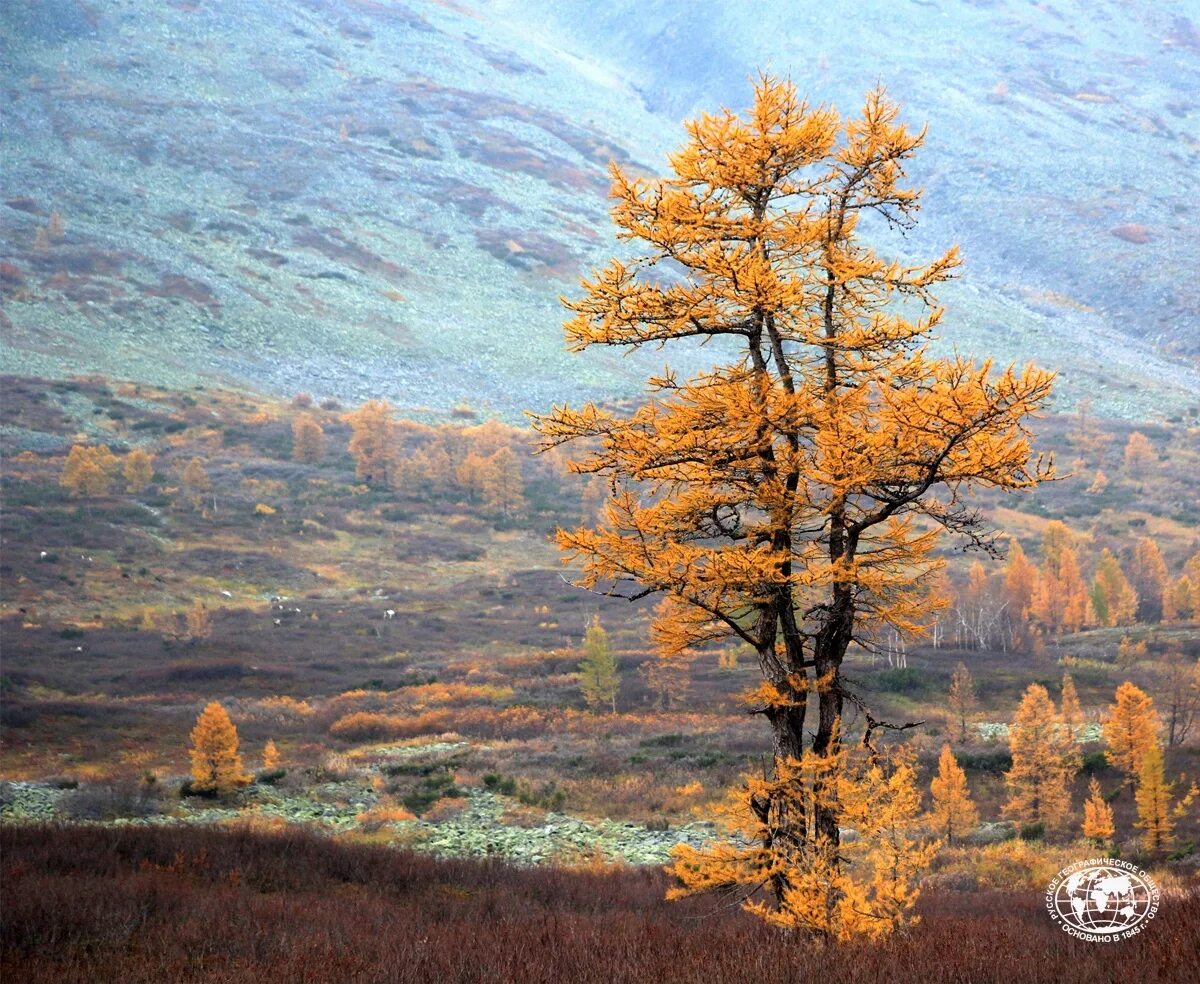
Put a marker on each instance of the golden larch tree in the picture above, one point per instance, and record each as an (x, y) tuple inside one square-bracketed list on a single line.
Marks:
[(139, 471), (216, 764), (599, 677), (372, 440), (196, 483), (503, 484), (1177, 601), (89, 471), (1020, 584), (1072, 713), (1044, 760), (270, 756), (1148, 575), (308, 439), (1153, 798), (1114, 600), (1130, 729), (962, 700), (469, 475), (791, 497), (1097, 816), (953, 813), (1060, 598), (1139, 454)]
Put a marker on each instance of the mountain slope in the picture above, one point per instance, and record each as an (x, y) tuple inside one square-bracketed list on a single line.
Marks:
[(362, 197)]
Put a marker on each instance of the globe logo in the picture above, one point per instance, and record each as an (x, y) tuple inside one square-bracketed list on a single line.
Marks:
[(1102, 899)]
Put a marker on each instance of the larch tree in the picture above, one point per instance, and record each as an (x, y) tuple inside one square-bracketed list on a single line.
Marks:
[(1072, 713), (1177, 601), (89, 471), (1153, 798), (1114, 600), (1179, 685), (668, 677), (1139, 454), (372, 440), (962, 700), (503, 484), (1097, 816), (308, 439), (216, 764), (1020, 583), (953, 813), (599, 677), (196, 483), (1130, 729), (1060, 598), (790, 497), (469, 475), (138, 470), (1148, 575), (199, 622), (270, 758), (1044, 760)]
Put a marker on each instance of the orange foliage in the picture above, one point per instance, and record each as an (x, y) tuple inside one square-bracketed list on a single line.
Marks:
[(89, 471), (308, 439), (216, 764), (372, 439), (780, 499)]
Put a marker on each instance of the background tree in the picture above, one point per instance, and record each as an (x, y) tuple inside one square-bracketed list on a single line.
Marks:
[(1060, 599), (470, 473), (1044, 760), (1153, 798), (1177, 602), (776, 498), (962, 699), (1072, 713), (1113, 598), (668, 677), (308, 439), (196, 483), (372, 440), (1139, 455), (89, 471), (199, 622), (270, 756), (1148, 575), (1179, 686), (139, 471), (953, 812), (216, 764), (1097, 816), (503, 486), (599, 677), (1020, 582), (1130, 729)]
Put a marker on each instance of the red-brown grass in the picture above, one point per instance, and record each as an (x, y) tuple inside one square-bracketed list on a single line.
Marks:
[(200, 904)]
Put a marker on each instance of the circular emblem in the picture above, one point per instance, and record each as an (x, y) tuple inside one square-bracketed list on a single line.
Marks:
[(1102, 899)]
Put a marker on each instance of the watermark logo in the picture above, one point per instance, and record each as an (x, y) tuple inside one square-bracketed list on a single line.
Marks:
[(1102, 899)]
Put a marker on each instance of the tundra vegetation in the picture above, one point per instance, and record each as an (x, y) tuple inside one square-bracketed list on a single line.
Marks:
[(776, 678)]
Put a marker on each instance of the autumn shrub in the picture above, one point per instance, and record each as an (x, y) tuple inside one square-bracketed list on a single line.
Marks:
[(119, 799), (369, 726), (137, 905)]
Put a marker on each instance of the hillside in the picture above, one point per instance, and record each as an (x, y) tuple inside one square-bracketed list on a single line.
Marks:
[(359, 197), (414, 654)]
